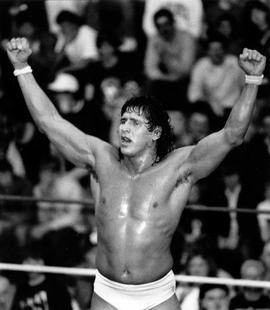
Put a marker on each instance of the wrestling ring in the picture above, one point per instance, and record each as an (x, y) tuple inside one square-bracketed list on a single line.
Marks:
[(87, 272)]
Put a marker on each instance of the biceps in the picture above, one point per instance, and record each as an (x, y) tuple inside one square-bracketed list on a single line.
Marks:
[(72, 143), (208, 154)]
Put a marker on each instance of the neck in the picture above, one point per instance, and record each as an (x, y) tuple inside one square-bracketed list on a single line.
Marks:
[(136, 165)]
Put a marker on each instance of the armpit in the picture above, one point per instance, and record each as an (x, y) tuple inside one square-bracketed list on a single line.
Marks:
[(183, 178)]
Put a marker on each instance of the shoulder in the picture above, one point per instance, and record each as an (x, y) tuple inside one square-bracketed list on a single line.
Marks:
[(179, 157), (231, 59), (86, 30), (202, 63)]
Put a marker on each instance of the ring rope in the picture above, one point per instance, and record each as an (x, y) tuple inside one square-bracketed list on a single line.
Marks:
[(91, 203), (85, 272)]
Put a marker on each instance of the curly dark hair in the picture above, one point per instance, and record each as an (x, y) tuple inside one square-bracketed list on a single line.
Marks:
[(156, 116)]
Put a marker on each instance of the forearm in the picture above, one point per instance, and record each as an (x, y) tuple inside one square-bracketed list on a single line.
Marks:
[(241, 114), (38, 103)]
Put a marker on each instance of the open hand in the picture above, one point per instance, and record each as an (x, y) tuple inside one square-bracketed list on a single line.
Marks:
[(252, 62), (18, 51)]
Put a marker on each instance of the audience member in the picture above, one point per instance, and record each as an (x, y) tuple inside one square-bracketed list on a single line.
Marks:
[(226, 25), (41, 291), (76, 41), (169, 57), (216, 78), (189, 15), (251, 297), (235, 238), (197, 264), (8, 289), (214, 297), (265, 259), (179, 123), (256, 35), (264, 218)]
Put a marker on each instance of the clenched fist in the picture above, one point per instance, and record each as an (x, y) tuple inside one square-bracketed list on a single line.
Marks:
[(18, 51), (252, 62)]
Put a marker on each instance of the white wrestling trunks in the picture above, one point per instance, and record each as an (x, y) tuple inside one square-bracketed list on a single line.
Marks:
[(135, 297)]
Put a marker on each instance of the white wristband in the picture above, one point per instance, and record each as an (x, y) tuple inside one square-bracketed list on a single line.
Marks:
[(254, 79), (24, 70)]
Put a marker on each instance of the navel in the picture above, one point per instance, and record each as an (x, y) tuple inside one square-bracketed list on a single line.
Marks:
[(103, 200), (155, 205)]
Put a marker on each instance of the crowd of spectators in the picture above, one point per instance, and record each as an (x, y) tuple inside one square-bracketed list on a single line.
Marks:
[(90, 56)]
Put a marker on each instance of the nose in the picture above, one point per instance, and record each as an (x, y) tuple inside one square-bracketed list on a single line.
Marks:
[(125, 127)]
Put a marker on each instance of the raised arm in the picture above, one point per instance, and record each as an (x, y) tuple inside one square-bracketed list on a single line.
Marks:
[(210, 151), (76, 146)]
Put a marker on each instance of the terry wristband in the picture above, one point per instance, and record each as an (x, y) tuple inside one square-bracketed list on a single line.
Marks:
[(254, 79), (24, 70)]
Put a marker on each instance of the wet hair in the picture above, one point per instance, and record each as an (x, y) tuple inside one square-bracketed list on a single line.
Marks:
[(163, 12), (156, 116)]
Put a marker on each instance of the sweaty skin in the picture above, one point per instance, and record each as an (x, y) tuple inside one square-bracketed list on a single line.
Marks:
[(136, 217), (138, 202)]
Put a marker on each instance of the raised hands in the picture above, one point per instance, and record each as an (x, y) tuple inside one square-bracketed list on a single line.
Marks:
[(252, 62), (18, 51)]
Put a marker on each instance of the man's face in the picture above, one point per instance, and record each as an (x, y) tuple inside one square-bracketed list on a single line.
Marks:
[(216, 53), (198, 125), (198, 266), (215, 299), (165, 26), (135, 138)]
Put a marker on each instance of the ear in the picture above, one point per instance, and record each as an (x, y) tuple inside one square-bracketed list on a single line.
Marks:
[(157, 133)]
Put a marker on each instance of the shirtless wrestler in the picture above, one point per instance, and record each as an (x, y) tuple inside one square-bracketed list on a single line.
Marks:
[(140, 189)]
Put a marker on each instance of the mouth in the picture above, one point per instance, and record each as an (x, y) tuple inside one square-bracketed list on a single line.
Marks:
[(125, 140)]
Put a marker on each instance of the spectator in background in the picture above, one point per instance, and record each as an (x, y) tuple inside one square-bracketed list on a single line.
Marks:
[(216, 78), (76, 41), (20, 214), (8, 148), (8, 289), (104, 79), (62, 215), (256, 21), (169, 57), (235, 239), (258, 150), (41, 291), (251, 297), (189, 14), (214, 297), (264, 218), (179, 123), (200, 121), (197, 263), (69, 101), (46, 61), (54, 7), (265, 259), (226, 25)]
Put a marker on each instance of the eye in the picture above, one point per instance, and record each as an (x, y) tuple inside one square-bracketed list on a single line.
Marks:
[(122, 121)]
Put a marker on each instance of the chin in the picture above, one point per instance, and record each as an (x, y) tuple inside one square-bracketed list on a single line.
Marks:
[(126, 151)]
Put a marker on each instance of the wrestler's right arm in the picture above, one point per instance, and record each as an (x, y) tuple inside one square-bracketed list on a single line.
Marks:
[(76, 146)]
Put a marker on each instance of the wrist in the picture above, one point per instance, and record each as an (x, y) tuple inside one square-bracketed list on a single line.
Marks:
[(22, 71), (20, 65), (254, 79)]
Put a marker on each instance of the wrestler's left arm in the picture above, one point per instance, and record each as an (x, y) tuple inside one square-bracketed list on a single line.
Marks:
[(210, 151)]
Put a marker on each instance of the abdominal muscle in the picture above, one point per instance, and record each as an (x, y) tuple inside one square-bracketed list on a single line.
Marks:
[(132, 251)]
